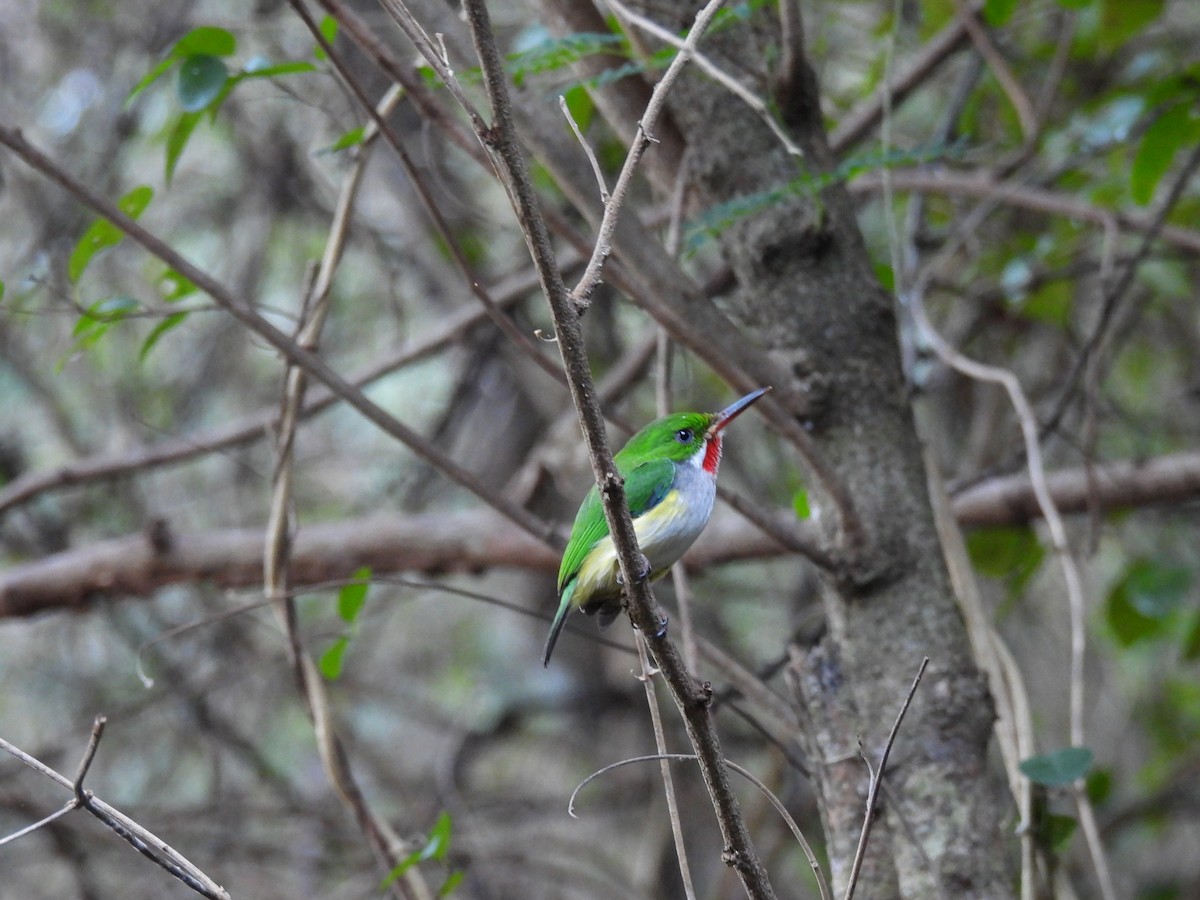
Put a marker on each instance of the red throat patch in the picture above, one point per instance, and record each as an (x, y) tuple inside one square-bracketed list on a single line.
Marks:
[(712, 454)]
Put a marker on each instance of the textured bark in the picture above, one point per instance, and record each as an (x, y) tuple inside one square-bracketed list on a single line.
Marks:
[(807, 292)]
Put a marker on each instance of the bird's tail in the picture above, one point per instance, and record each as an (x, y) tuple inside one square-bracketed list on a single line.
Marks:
[(560, 619)]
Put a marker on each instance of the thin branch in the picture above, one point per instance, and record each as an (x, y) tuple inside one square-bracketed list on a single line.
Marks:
[(440, 226), (587, 149), (660, 742), (644, 136), (1058, 539), (140, 838), (255, 322), (278, 540), (711, 69), (692, 699), (983, 185), (877, 774), (1000, 69), (822, 884)]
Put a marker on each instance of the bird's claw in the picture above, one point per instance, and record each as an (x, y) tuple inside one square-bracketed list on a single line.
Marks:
[(661, 631), (643, 570)]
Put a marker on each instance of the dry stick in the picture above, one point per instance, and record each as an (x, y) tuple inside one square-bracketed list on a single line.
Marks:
[(822, 885), (691, 698), (432, 210), (1000, 69), (247, 316), (662, 393), (581, 294), (278, 543), (855, 125), (141, 839), (258, 425), (712, 70), (877, 780), (1062, 548), (985, 185), (1112, 298), (660, 742)]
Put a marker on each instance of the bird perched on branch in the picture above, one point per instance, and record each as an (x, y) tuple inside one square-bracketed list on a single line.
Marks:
[(670, 472)]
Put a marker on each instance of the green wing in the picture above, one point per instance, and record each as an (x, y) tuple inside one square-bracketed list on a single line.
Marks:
[(645, 487)]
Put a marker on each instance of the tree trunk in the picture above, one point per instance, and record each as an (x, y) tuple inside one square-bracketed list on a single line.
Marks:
[(807, 293)]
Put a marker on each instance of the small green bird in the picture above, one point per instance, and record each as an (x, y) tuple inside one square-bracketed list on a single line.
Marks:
[(670, 472)]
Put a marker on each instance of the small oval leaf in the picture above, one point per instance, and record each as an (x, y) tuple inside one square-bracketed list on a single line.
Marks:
[(201, 79), (1058, 768), (205, 40)]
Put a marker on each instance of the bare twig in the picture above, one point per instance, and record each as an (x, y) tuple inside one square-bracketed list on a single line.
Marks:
[(712, 70), (691, 698), (255, 322), (660, 741), (278, 543), (1000, 69), (587, 149), (582, 292), (140, 838), (822, 885), (877, 774), (985, 185), (1058, 538)]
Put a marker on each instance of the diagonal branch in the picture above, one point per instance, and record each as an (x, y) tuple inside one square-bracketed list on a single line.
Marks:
[(295, 354), (691, 698)]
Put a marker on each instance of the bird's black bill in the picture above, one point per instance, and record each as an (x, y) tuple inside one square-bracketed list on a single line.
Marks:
[(735, 409)]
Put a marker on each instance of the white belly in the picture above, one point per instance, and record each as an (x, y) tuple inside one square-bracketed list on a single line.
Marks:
[(664, 535)]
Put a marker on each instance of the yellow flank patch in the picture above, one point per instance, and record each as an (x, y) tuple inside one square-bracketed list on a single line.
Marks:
[(598, 574)]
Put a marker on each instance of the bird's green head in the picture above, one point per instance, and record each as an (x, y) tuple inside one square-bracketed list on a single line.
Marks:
[(684, 437)]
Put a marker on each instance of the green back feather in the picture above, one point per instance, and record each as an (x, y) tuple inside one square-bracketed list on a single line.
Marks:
[(646, 463)]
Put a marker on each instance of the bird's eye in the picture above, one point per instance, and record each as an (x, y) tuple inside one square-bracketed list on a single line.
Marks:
[(684, 435)]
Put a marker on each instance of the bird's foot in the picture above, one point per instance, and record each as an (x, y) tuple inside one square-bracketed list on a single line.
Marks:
[(643, 570), (661, 631)]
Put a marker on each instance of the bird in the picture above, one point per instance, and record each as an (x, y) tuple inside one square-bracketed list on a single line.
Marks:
[(670, 471)]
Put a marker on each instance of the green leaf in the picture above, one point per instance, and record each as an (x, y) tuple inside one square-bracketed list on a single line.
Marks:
[(100, 234), (1056, 832), (1099, 785), (1162, 140), (178, 139), (998, 12), (150, 77), (1051, 303), (1074, 4), (262, 68), (201, 80), (333, 660), (329, 30), (800, 504), (353, 596), (349, 139), (580, 106), (1147, 593), (1010, 552), (1191, 641), (207, 41), (171, 321), (105, 312), (452, 881), (435, 848), (1058, 768), (103, 233), (1122, 19), (173, 287)]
